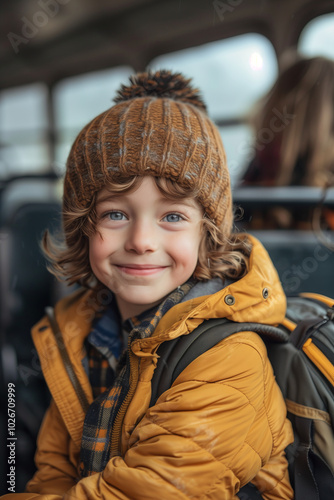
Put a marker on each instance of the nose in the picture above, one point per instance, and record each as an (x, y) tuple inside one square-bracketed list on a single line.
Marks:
[(142, 238)]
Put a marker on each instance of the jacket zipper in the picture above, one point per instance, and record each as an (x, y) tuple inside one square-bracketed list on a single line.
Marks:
[(116, 436)]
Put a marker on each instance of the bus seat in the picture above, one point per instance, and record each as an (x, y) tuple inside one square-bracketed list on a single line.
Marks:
[(24, 189), (26, 288)]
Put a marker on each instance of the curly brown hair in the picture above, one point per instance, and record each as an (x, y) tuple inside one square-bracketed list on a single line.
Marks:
[(221, 255)]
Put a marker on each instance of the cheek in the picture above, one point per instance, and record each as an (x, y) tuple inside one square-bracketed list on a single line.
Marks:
[(97, 249), (185, 251)]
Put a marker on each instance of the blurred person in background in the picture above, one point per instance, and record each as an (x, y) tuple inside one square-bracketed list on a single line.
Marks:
[(294, 138)]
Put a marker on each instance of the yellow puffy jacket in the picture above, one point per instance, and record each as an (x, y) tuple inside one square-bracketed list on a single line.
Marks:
[(221, 424)]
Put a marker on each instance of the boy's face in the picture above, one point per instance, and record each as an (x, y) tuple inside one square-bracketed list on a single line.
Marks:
[(147, 246)]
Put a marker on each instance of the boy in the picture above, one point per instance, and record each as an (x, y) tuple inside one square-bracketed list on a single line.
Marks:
[(148, 234)]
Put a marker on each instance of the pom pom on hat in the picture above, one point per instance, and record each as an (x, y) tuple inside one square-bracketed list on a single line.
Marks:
[(161, 84), (157, 127)]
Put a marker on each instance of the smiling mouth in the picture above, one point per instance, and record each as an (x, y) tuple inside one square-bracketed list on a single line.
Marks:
[(140, 270)]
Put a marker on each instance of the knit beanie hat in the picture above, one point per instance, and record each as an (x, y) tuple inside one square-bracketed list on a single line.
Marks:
[(159, 127)]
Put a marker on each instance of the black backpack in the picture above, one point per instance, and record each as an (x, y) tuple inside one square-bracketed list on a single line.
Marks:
[(301, 351)]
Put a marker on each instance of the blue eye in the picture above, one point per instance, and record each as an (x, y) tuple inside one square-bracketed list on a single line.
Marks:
[(173, 218), (116, 216)]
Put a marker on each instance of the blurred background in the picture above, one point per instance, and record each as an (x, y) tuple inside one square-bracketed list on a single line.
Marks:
[(61, 63)]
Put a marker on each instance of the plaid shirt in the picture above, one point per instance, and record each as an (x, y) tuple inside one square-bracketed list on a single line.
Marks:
[(111, 381), (104, 346)]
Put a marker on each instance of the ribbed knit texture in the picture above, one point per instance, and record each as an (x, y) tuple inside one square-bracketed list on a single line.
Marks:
[(157, 136)]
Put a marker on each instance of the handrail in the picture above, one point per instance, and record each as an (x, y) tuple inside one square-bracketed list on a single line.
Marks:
[(291, 196)]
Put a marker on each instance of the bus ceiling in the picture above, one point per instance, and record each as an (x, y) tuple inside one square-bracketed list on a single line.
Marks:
[(48, 40)]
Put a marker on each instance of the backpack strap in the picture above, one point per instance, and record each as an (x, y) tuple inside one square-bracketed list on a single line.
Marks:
[(304, 481), (312, 477), (175, 355), (306, 462), (305, 329), (249, 492)]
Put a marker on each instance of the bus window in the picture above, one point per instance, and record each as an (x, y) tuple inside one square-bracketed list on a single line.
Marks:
[(23, 130), (317, 38), (233, 74), (78, 100)]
